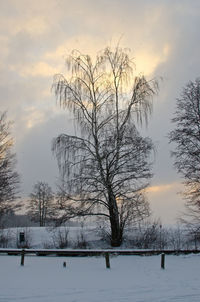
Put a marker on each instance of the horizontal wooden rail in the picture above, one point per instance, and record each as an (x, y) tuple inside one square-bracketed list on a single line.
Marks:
[(93, 252)]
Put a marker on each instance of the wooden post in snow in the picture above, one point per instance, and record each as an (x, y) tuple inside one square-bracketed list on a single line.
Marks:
[(22, 257), (163, 261), (107, 260)]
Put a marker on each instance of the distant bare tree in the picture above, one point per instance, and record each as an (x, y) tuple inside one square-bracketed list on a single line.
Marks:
[(41, 207), (186, 155), (105, 166), (9, 178)]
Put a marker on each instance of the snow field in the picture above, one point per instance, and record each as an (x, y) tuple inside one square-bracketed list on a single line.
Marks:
[(86, 279)]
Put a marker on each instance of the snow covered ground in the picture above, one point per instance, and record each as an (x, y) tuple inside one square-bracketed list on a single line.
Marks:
[(86, 279)]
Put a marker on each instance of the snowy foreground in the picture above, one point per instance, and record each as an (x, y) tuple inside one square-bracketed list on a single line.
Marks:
[(86, 279)]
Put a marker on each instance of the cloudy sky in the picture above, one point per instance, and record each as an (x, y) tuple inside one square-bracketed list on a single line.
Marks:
[(36, 36)]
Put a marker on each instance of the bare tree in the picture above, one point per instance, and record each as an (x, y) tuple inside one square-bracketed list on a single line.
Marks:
[(41, 207), (9, 178), (105, 167), (186, 155)]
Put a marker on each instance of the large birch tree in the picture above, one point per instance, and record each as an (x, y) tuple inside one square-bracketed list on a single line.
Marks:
[(106, 166)]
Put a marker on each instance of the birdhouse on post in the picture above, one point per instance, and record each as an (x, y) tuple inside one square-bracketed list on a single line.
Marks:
[(21, 238)]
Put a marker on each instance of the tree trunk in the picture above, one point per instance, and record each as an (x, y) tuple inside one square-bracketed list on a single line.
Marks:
[(116, 234)]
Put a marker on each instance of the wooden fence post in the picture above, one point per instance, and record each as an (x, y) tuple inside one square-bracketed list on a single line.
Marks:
[(163, 261), (107, 260), (22, 257)]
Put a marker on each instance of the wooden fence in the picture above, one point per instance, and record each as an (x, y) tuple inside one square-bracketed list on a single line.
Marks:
[(92, 252)]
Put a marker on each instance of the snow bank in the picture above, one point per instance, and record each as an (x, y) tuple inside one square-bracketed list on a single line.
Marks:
[(49, 237)]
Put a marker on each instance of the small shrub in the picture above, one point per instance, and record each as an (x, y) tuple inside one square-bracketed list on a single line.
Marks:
[(61, 238), (103, 230), (81, 241), (176, 238), (48, 245), (148, 235), (5, 238)]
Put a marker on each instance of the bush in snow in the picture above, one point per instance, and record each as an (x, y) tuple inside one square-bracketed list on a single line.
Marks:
[(61, 237), (5, 238)]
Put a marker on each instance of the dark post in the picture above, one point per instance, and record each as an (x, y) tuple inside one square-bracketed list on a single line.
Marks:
[(160, 236), (22, 257), (107, 260), (64, 264), (21, 237), (162, 260)]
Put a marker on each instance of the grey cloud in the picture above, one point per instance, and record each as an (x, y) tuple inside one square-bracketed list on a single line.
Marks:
[(35, 159)]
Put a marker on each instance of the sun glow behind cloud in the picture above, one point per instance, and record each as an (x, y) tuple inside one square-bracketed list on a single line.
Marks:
[(147, 61), (161, 188), (39, 69), (166, 201)]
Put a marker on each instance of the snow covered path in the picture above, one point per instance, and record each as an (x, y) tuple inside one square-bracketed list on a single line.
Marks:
[(85, 279)]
